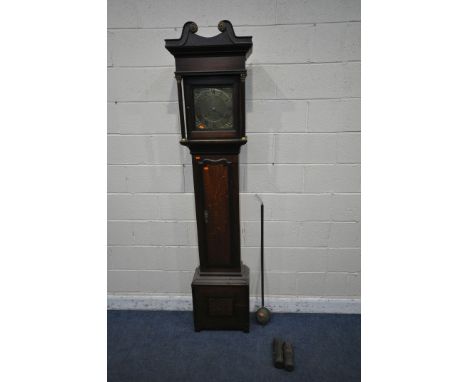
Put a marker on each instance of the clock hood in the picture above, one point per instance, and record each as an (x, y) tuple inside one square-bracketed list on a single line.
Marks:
[(226, 42)]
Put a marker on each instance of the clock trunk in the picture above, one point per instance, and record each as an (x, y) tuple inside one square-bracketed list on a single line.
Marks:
[(216, 184)]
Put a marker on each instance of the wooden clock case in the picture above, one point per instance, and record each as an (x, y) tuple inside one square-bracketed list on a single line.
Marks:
[(220, 286)]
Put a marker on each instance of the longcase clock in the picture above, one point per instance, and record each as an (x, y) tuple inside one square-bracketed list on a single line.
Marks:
[(210, 74)]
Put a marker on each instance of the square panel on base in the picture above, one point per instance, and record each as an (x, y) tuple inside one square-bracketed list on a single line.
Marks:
[(221, 302)]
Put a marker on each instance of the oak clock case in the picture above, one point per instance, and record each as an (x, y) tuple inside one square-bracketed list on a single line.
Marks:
[(210, 74)]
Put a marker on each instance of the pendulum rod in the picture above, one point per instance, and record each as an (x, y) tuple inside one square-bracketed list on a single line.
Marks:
[(261, 251)]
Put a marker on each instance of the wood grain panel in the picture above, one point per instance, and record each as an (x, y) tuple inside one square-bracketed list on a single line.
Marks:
[(216, 213)]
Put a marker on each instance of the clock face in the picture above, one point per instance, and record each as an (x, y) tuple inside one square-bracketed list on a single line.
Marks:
[(213, 108)]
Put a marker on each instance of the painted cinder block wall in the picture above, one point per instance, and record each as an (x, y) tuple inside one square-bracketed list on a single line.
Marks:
[(302, 156)]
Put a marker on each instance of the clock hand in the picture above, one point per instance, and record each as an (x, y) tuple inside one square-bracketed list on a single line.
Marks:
[(214, 113)]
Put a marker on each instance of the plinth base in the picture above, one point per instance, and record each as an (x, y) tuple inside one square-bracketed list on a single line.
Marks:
[(221, 302)]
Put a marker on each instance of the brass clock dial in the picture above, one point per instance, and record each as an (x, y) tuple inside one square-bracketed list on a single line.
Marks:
[(213, 108)]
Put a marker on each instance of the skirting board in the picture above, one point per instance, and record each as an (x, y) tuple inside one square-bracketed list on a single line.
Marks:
[(275, 304)]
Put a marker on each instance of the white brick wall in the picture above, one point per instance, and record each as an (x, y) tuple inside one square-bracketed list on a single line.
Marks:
[(302, 156)]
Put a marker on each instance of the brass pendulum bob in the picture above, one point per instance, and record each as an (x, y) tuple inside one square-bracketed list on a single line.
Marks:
[(263, 315)]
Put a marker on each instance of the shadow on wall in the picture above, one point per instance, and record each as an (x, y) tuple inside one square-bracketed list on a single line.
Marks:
[(255, 76), (173, 109)]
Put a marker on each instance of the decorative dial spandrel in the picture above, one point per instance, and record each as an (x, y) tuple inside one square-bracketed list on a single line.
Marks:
[(213, 108)]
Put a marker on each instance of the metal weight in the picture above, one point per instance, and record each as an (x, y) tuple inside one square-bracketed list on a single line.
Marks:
[(278, 359), (288, 356)]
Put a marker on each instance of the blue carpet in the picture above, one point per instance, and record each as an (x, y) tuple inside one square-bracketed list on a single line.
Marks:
[(162, 346)]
